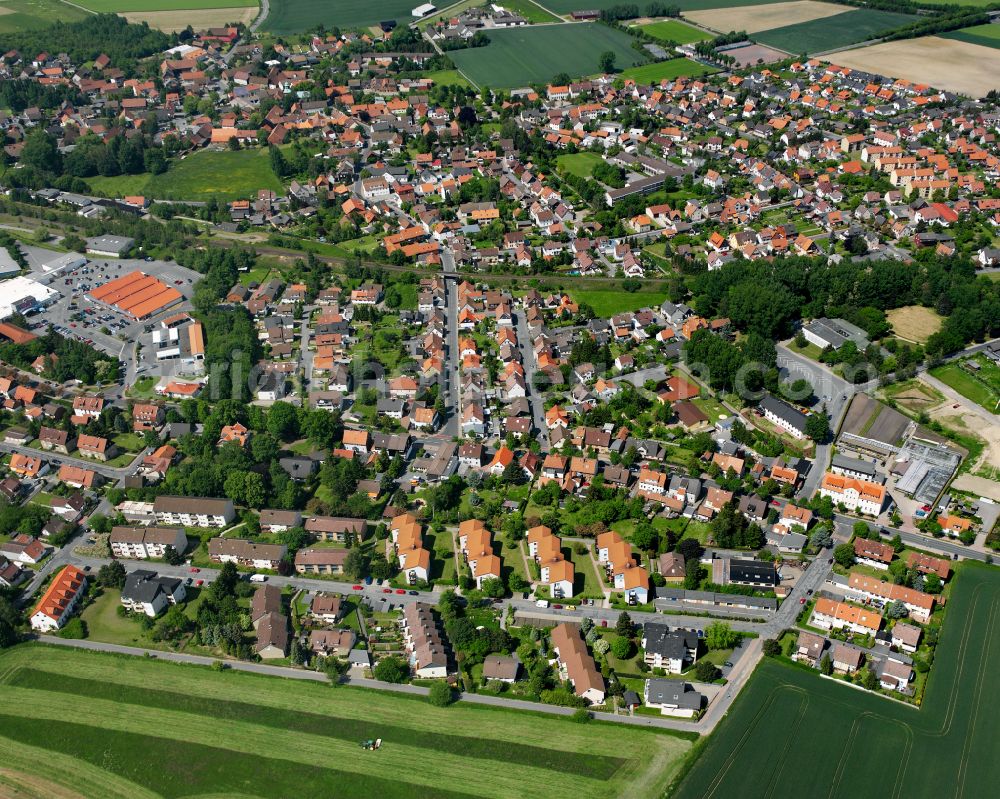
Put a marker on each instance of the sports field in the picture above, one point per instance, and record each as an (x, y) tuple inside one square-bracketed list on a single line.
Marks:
[(535, 54), (668, 70), (29, 15), (968, 385), (107, 726), (986, 35), (829, 33), (296, 16), (670, 30), (223, 174), (820, 738), (579, 164)]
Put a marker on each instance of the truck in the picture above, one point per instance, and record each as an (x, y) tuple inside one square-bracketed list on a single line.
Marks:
[(258, 578)]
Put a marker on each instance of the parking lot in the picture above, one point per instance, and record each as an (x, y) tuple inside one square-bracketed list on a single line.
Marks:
[(75, 315)]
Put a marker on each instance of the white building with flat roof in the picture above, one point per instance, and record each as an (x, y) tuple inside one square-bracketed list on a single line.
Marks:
[(24, 295), (424, 10)]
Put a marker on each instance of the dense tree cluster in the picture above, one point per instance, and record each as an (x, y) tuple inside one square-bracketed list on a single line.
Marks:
[(768, 298), (83, 41), (73, 360)]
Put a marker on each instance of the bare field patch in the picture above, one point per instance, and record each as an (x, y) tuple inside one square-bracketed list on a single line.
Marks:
[(914, 323), (20, 785), (948, 64), (173, 21), (754, 19)]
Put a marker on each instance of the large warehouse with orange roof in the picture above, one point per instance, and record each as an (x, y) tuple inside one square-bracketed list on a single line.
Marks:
[(137, 294)]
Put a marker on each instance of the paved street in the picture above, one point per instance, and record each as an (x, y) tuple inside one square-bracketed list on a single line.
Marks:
[(111, 472), (530, 368)]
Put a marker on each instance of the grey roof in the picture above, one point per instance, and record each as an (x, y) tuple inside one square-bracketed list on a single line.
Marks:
[(143, 585), (673, 644), (838, 331), (853, 465), (672, 692), (784, 411)]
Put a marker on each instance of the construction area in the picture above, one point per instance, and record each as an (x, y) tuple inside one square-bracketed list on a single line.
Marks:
[(137, 295)]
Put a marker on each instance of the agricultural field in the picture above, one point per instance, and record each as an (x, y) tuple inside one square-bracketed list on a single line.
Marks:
[(27, 15), (535, 54), (764, 17), (198, 177), (914, 322), (198, 19), (532, 12), (274, 737), (830, 33), (817, 737), (670, 30), (668, 70), (566, 7), (124, 6), (986, 35), (949, 64), (297, 16)]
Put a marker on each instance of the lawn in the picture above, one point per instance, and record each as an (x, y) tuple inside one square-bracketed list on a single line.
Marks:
[(828, 33), (297, 16), (223, 174), (608, 302), (671, 30), (536, 54), (447, 77), (985, 35), (967, 384), (668, 70), (816, 737), (27, 15), (117, 6), (282, 738), (914, 323), (579, 164)]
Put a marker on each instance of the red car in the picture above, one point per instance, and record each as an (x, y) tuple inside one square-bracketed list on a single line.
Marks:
[(557, 607), (386, 590), (194, 570), (802, 600), (400, 590), (200, 582), (355, 587)]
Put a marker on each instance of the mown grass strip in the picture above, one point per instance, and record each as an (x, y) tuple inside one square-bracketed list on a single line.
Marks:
[(176, 768), (600, 767)]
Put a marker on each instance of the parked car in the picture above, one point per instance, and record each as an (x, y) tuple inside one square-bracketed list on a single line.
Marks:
[(355, 587), (194, 570), (400, 590)]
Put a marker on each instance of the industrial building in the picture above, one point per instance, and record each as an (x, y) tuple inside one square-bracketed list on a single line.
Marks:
[(137, 295)]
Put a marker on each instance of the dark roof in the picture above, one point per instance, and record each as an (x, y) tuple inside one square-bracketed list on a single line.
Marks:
[(785, 412), (661, 640), (672, 692), (758, 572)]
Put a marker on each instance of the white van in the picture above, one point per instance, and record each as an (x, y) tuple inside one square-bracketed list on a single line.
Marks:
[(542, 603), (258, 578)]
